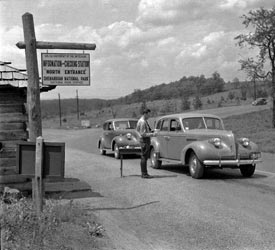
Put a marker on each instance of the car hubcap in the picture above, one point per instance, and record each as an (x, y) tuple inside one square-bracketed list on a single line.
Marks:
[(116, 151), (193, 165), (153, 158)]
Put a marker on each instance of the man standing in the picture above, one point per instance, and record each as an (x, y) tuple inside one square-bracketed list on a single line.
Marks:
[(145, 135)]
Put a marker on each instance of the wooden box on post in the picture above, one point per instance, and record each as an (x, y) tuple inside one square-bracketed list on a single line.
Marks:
[(53, 159)]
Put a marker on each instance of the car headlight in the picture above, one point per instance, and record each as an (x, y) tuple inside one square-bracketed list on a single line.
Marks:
[(255, 156), (245, 142), (216, 142), (129, 136)]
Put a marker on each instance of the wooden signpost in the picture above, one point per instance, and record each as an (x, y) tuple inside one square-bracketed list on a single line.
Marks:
[(33, 95)]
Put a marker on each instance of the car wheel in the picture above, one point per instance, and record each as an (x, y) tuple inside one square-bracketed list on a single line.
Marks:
[(247, 170), (116, 151), (196, 168), (155, 162), (101, 150)]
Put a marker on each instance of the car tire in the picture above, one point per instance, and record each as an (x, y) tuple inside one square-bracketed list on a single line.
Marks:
[(155, 162), (196, 168), (247, 170), (116, 151), (101, 150)]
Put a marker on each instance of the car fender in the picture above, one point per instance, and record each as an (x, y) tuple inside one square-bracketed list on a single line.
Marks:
[(253, 147), (100, 141), (155, 144), (202, 149), (116, 140)]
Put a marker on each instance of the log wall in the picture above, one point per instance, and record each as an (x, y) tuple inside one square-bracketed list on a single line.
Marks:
[(13, 120)]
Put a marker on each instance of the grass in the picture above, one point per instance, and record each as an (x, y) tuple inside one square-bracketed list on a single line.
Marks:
[(63, 226), (257, 126)]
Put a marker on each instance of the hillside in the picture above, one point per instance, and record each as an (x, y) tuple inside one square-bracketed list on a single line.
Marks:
[(183, 95)]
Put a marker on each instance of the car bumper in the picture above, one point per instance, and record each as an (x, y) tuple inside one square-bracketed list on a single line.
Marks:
[(129, 150), (230, 163)]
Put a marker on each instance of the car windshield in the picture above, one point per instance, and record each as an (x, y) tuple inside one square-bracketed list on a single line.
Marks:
[(201, 123), (213, 123), (125, 124)]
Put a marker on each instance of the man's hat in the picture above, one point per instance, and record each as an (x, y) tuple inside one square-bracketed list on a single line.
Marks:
[(146, 111)]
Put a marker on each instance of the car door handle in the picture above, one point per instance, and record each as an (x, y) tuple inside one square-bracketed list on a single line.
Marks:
[(167, 138)]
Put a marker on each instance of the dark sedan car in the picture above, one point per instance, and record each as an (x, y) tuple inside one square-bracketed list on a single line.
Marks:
[(119, 134)]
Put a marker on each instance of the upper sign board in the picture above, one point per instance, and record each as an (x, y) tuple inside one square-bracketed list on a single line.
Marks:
[(65, 69)]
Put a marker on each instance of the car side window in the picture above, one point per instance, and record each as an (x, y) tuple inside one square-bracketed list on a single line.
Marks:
[(110, 126), (165, 125), (105, 126), (158, 126), (175, 125)]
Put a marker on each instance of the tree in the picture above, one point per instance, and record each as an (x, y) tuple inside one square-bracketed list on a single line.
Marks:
[(236, 82), (197, 104), (142, 107), (185, 103), (263, 38)]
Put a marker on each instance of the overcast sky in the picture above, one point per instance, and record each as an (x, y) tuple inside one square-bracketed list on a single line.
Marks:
[(140, 43)]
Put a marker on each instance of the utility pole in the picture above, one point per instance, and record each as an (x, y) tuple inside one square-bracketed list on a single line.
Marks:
[(77, 105), (60, 113)]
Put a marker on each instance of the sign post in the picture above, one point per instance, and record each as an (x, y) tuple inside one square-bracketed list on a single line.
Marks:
[(33, 88), (37, 182), (76, 72)]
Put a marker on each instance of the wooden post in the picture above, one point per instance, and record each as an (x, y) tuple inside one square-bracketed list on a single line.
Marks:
[(37, 182), (3, 231), (33, 90), (121, 165)]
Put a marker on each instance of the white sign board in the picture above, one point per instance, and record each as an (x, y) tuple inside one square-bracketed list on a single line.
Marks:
[(65, 69)]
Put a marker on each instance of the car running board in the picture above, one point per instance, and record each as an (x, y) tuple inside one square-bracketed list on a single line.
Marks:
[(170, 160)]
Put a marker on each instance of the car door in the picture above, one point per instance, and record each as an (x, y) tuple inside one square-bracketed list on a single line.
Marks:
[(108, 134), (176, 140), (163, 136)]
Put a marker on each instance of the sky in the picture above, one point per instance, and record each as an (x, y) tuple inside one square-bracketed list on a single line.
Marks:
[(139, 43)]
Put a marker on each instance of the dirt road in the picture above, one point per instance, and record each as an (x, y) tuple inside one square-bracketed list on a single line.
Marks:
[(171, 211)]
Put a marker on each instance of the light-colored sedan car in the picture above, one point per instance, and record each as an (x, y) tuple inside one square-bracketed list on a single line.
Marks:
[(200, 141), (119, 134)]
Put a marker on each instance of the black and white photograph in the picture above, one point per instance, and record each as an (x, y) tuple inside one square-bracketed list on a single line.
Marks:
[(137, 125)]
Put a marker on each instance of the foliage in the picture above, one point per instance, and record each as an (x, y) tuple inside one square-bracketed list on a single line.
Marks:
[(263, 38), (197, 104), (231, 95), (142, 107), (256, 126), (185, 103), (24, 230)]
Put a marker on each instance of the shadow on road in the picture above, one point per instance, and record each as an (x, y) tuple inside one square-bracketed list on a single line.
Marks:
[(153, 176), (122, 208), (73, 195)]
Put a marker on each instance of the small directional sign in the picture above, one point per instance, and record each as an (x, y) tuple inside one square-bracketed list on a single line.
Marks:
[(65, 69)]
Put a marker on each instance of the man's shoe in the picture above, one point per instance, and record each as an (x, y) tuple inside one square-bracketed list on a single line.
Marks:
[(146, 176)]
